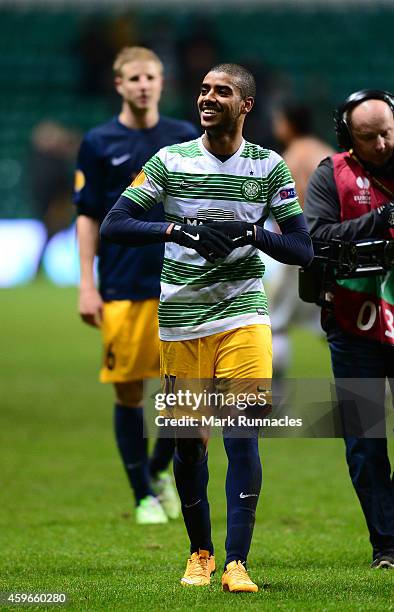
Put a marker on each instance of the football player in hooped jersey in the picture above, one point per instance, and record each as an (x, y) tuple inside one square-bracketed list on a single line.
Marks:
[(125, 306), (213, 315)]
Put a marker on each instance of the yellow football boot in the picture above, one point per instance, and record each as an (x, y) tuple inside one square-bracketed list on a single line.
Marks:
[(236, 579), (199, 568)]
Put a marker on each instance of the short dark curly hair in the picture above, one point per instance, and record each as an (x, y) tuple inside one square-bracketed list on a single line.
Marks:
[(243, 77)]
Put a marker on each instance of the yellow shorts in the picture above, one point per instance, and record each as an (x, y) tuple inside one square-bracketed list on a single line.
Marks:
[(131, 341), (245, 352), (242, 357)]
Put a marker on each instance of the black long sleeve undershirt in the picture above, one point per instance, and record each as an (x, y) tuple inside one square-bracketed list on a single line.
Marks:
[(122, 226), (292, 246)]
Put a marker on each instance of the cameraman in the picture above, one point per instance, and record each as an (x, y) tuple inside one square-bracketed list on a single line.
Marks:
[(350, 197)]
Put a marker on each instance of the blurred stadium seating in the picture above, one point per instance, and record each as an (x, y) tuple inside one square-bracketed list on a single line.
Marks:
[(323, 51), (317, 52)]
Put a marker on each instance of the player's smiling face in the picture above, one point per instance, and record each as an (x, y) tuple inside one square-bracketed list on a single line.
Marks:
[(140, 85), (220, 102)]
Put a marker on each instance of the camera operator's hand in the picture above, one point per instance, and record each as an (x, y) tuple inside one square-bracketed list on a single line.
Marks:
[(387, 213), (209, 242), (240, 233)]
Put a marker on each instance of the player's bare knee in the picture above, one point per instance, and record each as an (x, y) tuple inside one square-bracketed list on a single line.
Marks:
[(130, 394)]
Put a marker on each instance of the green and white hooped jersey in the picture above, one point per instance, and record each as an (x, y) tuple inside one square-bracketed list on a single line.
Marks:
[(198, 298)]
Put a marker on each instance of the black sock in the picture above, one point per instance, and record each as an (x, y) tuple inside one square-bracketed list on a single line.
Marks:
[(133, 448), (243, 485), (191, 479), (162, 454)]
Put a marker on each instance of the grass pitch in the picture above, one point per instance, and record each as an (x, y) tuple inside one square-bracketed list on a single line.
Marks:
[(66, 513)]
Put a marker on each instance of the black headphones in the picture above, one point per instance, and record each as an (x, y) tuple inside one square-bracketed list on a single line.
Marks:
[(341, 125)]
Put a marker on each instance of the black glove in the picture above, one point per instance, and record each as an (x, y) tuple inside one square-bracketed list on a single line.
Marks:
[(387, 213), (209, 242), (240, 233)]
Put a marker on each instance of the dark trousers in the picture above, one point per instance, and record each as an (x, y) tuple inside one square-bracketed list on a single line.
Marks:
[(369, 364)]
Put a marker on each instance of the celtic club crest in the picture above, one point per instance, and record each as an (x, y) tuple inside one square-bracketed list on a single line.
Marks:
[(251, 189)]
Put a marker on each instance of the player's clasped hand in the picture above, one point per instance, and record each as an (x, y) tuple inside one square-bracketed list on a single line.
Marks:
[(209, 242), (240, 233)]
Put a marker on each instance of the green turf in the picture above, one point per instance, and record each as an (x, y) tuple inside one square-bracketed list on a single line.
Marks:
[(66, 512)]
